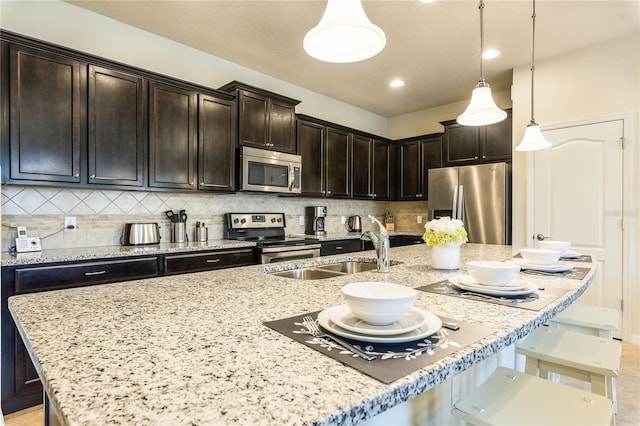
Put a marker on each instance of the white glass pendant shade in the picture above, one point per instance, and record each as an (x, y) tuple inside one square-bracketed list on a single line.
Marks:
[(533, 139), (344, 34), (482, 110)]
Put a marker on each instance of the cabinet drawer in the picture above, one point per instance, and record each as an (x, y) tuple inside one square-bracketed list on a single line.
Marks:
[(63, 276), (340, 246), (183, 263)]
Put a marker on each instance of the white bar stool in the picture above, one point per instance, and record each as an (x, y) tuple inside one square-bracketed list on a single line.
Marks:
[(589, 358), (509, 397), (592, 320)]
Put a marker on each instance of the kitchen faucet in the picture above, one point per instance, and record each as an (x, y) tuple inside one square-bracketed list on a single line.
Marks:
[(380, 243)]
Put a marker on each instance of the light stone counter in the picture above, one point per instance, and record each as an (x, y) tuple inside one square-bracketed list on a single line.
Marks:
[(109, 252), (191, 349)]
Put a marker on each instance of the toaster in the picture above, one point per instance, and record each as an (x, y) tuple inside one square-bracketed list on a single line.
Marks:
[(140, 233)]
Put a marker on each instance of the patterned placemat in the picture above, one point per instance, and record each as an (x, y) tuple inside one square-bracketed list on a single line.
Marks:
[(574, 274), (393, 361), (534, 301)]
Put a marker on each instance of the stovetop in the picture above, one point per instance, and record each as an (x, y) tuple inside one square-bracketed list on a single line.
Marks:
[(266, 229)]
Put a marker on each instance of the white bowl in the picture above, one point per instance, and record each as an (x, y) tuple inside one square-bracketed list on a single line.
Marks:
[(555, 245), (493, 273), (540, 256), (378, 303)]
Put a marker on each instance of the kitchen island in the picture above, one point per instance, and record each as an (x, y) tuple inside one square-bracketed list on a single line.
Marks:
[(192, 349)]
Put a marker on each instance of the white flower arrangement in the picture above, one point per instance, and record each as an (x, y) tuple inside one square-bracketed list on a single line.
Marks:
[(444, 232)]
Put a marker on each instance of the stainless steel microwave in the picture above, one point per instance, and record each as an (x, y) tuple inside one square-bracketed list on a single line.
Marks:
[(269, 171)]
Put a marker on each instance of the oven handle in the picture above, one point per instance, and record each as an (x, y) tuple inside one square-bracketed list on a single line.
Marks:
[(297, 254), (281, 249)]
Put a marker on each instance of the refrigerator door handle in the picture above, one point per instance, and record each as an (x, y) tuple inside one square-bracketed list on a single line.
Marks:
[(461, 204), (454, 210)]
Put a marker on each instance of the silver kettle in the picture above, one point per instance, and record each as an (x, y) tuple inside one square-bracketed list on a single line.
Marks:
[(354, 224)]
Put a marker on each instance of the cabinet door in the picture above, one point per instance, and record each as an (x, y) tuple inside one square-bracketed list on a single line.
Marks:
[(409, 187), (497, 144), (380, 171), (116, 144), (361, 167), (311, 144), (172, 137), (45, 111), (216, 144), (431, 154), (337, 163), (253, 120), (282, 136), (462, 144)]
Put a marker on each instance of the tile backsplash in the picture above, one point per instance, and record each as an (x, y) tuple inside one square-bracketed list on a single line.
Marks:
[(101, 214)]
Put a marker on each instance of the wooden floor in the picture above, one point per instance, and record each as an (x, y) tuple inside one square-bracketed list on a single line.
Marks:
[(628, 387)]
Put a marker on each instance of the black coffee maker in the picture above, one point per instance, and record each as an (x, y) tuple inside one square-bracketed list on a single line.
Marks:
[(314, 220)]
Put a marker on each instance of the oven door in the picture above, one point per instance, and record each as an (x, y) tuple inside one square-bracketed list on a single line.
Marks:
[(289, 253)]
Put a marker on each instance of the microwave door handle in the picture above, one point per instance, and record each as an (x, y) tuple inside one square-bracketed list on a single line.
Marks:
[(291, 177)]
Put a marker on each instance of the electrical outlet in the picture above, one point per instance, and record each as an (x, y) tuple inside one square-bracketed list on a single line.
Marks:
[(301, 220), (419, 219), (343, 219), (70, 223)]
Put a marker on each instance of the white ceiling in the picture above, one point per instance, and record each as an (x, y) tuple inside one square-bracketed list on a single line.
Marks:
[(434, 47)]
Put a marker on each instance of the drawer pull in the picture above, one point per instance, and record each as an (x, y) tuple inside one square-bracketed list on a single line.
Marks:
[(213, 260), (339, 248), (88, 274)]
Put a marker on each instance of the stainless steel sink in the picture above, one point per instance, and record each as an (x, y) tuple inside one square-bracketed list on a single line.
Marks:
[(307, 274), (349, 267), (330, 270)]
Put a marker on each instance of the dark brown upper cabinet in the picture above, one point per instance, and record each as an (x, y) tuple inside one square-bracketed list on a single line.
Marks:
[(265, 119), (45, 110), (117, 128), (311, 147), (326, 158), (370, 168), (415, 157), (216, 144), (477, 144), (172, 136), (337, 163)]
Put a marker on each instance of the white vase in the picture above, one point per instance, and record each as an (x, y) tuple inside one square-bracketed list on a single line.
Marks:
[(445, 257)]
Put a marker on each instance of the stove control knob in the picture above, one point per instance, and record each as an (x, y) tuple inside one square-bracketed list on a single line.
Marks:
[(273, 219), (279, 220), (236, 220), (243, 221)]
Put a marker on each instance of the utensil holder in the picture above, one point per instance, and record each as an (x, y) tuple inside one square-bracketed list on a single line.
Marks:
[(202, 234), (179, 232)]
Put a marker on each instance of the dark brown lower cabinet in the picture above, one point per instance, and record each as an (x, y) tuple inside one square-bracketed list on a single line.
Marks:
[(183, 263), (328, 248)]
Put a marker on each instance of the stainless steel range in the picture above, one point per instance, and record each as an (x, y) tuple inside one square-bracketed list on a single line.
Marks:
[(268, 231)]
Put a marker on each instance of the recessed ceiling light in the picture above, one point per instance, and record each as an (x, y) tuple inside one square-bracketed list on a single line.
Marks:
[(396, 83), (427, 1), (490, 53)]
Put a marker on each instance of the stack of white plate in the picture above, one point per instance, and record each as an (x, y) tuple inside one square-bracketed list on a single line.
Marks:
[(517, 287), (414, 325)]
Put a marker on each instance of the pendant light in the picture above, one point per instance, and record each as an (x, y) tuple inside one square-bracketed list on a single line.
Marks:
[(344, 34), (533, 139), (482, 110)]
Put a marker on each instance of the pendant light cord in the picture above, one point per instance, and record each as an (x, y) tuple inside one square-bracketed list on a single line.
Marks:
[(481, 7), (533, 48)]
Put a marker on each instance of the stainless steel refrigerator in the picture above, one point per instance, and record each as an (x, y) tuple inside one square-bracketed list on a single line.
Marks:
[(479, 195)]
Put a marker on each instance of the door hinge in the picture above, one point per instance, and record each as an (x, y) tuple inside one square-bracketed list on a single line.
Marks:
[(621, 305), (622, 224), (622, 142)]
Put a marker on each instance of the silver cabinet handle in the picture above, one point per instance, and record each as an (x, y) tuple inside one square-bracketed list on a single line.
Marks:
[(214, 185), (339, 248), (76, 175), (191, 183), (213, 260), (88, 274)]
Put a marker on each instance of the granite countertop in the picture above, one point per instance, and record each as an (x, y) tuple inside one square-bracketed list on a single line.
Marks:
[(192, 349), (89, 253)]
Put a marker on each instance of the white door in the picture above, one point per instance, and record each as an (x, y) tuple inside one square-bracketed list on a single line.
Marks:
[(577, 197)]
